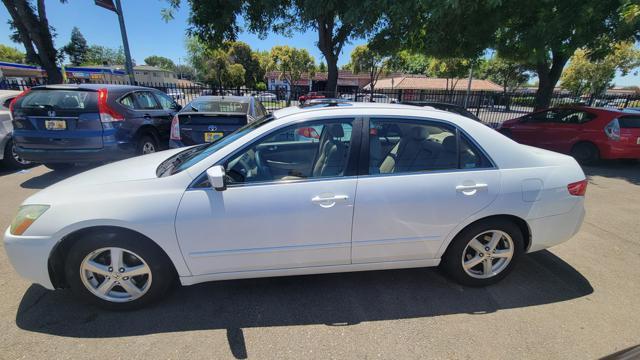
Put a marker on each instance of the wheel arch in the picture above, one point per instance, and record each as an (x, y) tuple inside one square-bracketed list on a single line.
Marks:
[(58, 256), (147, 129), (520, 222)]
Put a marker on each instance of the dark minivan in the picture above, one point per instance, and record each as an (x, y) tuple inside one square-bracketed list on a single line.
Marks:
[(62, 125)]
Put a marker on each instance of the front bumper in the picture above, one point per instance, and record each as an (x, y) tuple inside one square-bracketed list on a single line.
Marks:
[(107, 153), (29, 256)]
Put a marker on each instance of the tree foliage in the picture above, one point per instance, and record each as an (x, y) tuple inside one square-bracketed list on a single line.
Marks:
[(77, 48), (31, 29), (507, 73), (161, 62), (593, 76), (291, 63), (241, 53), (11, 54), (540, 34), (336, 22), (185, 72), (365, 59), (102, 55)]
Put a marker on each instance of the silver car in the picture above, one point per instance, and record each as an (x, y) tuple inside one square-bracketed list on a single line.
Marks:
[(8, 156)]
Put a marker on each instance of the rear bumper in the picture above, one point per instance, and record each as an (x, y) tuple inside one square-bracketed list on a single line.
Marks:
[(620, 151), (553, 230), (111, 152), (29, 256)]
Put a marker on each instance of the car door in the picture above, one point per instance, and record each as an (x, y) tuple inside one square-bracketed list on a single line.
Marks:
[(270, 219), (565, 130), (417, 192), (529, 130), (149, 112), (168, 108)]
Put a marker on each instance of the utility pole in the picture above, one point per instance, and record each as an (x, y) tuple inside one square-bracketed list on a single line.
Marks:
[(125, 43)]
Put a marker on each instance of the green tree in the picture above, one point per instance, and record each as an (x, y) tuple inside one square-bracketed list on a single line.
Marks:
[(185, 72), (322, 67), (77, 48), (102, 55), (365, 59), (508, 74), (31, 28), (540, 34), (11, 54), (586, 76), (451, 69), (220, 71), (241, 53), (336, 22), (291, 63), (405, 62), (160, 61)]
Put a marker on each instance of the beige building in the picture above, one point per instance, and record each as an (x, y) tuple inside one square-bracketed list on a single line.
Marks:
[(152, 74)]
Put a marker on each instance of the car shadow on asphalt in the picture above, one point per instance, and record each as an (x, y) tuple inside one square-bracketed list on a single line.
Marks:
[(332, 299), (51, 177), (615, 169)]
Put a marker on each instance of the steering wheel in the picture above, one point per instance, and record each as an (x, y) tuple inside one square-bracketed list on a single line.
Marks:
[(264, 172), (239, 170)]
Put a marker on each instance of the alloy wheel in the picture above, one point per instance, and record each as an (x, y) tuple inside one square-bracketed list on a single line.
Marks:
[(17, 157), (487, 254), (148, 148), (115, 274)]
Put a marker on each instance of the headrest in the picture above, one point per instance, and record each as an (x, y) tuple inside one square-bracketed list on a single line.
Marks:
[(449, 144), (418, 133), (336, 131)]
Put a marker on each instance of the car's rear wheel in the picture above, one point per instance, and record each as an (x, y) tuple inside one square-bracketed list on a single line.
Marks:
[(147, 145), (59, 166), (12, 159), (118, 272), (484, 253), (585, 153)]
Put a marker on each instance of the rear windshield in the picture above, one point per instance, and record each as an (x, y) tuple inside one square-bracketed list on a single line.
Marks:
[(60, 99), (219, 106), (627, 122)]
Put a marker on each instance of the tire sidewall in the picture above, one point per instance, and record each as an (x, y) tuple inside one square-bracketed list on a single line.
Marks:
[(452, 259), (590, 149), (147, 139), (161, 271)]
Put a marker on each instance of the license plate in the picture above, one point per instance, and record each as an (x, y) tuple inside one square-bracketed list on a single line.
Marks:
[(55, 124), (212, 136)]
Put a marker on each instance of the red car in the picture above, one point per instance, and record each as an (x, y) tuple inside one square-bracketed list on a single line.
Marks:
[(587, 133), (309, 96)]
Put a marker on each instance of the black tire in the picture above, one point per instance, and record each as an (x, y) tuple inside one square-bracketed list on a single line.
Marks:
[(162, 272), (147, 144), (585, 153), (452, 259), (12, 160), (59, 166)]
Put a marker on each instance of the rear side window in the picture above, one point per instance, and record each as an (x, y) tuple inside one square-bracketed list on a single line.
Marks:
[(128, 101), (399, 146), (146, 101), (60, 99), (629, 122)]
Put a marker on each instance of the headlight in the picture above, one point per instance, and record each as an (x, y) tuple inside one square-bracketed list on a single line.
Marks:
[(27, 214)]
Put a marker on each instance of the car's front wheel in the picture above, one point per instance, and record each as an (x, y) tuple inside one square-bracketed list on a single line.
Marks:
[(484, 253), (117, 271)]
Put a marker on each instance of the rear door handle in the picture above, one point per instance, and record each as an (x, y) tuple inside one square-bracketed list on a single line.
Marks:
[(328, 201), (471, 189)]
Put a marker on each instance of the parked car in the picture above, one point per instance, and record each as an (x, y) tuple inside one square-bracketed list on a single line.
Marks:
[(266, 96), (8, 156), (587, 133), (209, 118), (278, 197), (457, 109), (61, 125), (348, 97), (175, 94), (310, 95)]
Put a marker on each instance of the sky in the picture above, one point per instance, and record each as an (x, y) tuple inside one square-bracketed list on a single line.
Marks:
[(149, 34)]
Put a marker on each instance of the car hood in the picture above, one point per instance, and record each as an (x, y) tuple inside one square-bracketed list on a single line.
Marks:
[(105, 177)]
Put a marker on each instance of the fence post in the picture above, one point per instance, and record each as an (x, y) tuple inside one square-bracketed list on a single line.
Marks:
[(479, 103)]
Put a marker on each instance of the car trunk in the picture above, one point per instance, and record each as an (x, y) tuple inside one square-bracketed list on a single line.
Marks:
[(58, 119), (199, 127)]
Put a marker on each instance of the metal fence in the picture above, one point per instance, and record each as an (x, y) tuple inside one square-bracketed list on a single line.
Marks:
[(491, 107)]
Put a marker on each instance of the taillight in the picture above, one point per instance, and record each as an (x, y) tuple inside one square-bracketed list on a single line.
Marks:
[(578, 188), (12, 103), (107, 113), (613, 130), (175, 129)]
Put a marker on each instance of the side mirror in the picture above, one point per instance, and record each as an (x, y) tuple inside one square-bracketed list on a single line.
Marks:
[(216, 174)]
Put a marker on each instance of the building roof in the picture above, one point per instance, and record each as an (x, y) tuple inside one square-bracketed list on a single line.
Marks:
[(149, 68), (413, 82)]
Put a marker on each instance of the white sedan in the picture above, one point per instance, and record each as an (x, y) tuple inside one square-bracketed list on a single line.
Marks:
[(319, 189)]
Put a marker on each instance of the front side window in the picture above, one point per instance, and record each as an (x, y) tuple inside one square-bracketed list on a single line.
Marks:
[(128, 101), (311, 150), (574, 117), (165, 101), (398, 146)]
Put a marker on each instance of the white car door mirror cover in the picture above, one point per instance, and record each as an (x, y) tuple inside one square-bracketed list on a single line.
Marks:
[(216, 175)]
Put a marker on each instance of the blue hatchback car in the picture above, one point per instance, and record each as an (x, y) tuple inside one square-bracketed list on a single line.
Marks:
[(62, 125)]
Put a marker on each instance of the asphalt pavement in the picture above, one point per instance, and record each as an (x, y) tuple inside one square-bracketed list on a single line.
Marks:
[(579, 300)]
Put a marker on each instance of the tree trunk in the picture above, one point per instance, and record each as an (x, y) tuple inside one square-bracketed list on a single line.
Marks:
[(548, 77), (332, 75)]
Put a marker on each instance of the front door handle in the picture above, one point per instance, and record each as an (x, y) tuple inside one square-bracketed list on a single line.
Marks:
[(327, 201), (471, 189)]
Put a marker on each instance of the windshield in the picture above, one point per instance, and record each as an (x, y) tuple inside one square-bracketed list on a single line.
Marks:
[(193, 155), (219, 106), (60, 99)]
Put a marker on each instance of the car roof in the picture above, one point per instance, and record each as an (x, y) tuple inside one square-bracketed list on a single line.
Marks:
[(92, 87), (348, 108), (213, 98)]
